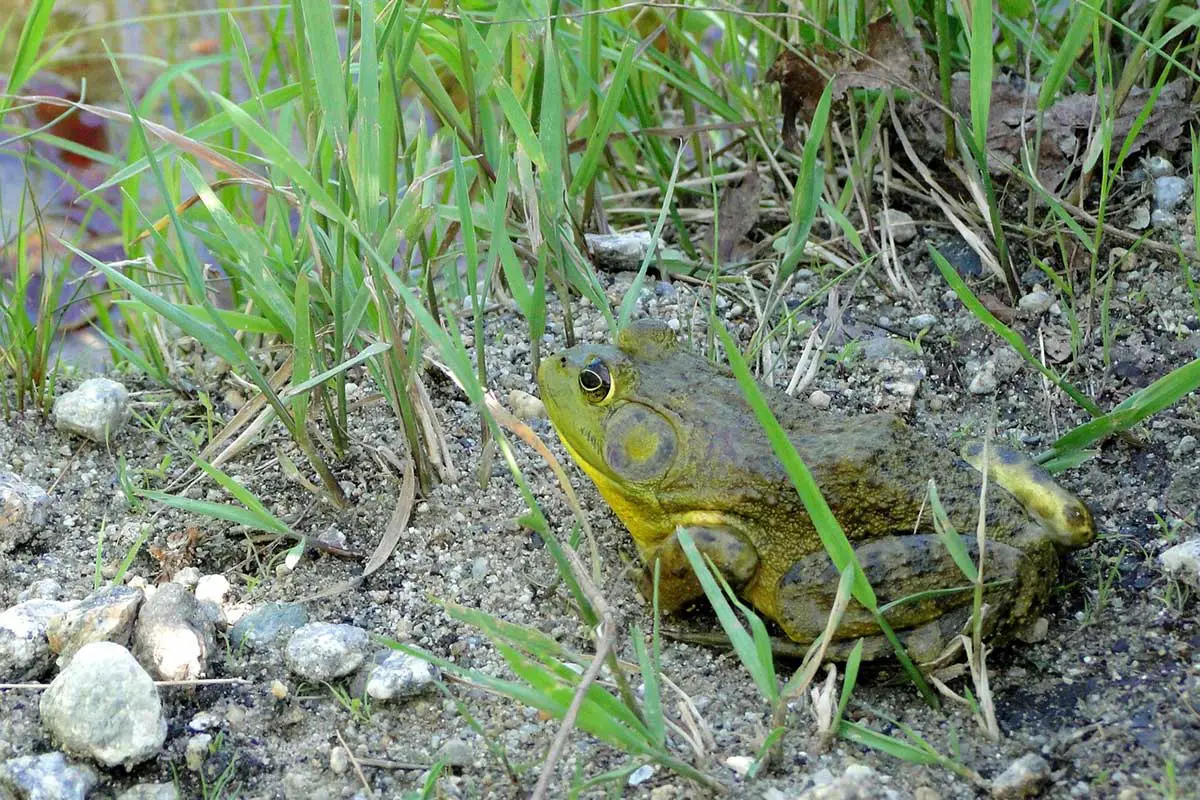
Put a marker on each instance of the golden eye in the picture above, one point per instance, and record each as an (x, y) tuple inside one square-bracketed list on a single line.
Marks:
[(596, 382)]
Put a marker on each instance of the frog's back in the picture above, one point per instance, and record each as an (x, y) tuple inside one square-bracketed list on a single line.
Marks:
[(873, 470)]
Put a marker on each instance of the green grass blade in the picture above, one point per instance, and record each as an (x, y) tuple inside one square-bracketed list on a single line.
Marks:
[(207, 335), (302, 351), (370, 351), (743, 643), (1164, 392), (652, 696), (33, 32), (810, 182), (629, 301), (322, 46), (280, 157), (598, 138), (860, 734), (244, 496), (1068, 52), (368, 176), (225, 511), (849, 679), (981, 72), (502, 244), (949, 535), (235, 320)]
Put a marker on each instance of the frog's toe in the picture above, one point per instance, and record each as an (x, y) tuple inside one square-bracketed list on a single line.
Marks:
[(1061, 514)]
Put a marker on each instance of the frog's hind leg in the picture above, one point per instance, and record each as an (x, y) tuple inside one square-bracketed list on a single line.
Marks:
[(1063, 515), (919, 571)]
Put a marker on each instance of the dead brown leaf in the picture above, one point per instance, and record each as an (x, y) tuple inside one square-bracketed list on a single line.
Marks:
[(1056, 343), (1066, 124), (397, 524), (1000, 309), (178, 552), (893, 58), (801, 83), (737, 213)]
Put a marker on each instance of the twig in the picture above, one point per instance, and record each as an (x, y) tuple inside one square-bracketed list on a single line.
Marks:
[(383, 763), (203, 682), (603, 647)]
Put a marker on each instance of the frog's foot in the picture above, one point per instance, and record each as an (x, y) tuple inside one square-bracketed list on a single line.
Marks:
[(925, 596), (729, 551), (1063, 515)]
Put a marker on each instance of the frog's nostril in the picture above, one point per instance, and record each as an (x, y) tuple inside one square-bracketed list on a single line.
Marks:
[(562, 360)]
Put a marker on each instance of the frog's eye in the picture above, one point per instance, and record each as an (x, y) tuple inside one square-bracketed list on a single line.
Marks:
[(595, 381)]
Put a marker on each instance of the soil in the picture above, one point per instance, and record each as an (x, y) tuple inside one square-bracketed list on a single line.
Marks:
[(1110, 697)]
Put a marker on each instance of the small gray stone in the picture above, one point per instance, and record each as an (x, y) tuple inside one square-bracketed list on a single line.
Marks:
[(23, 510), (1169, 191), (25, 653), (103, 616), (1183, 561), (617, 252), (339, 760), (1036, 302), (920, 322), (1008, 362), (457, 753), (1025, 777), (173, 637), (213, 589), (962, 257), (820, 400), (984, 381), (150, 791), (526, 406), (1125, 260), (1161, 218), (106, 707), (203, 721), (883, 348), (267, 626), (321, 651), (1186, 445), (187, 577), (45, 589), (49, 776), (640, 775), (196, 752), (479, 569), (858, 782), (1139, 220), (1159, 167), (397, 675), (901, 225), (97, 409)]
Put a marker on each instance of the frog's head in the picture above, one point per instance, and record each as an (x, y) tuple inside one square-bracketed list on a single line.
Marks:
[(607, 404)]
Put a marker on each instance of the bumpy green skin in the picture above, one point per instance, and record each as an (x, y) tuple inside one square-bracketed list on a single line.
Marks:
[(674, 444)]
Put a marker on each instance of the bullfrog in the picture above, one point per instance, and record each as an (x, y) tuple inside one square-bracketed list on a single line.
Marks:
[(670, 442)]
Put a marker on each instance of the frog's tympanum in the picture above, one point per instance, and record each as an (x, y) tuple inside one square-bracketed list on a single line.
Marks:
[(670, 442)]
